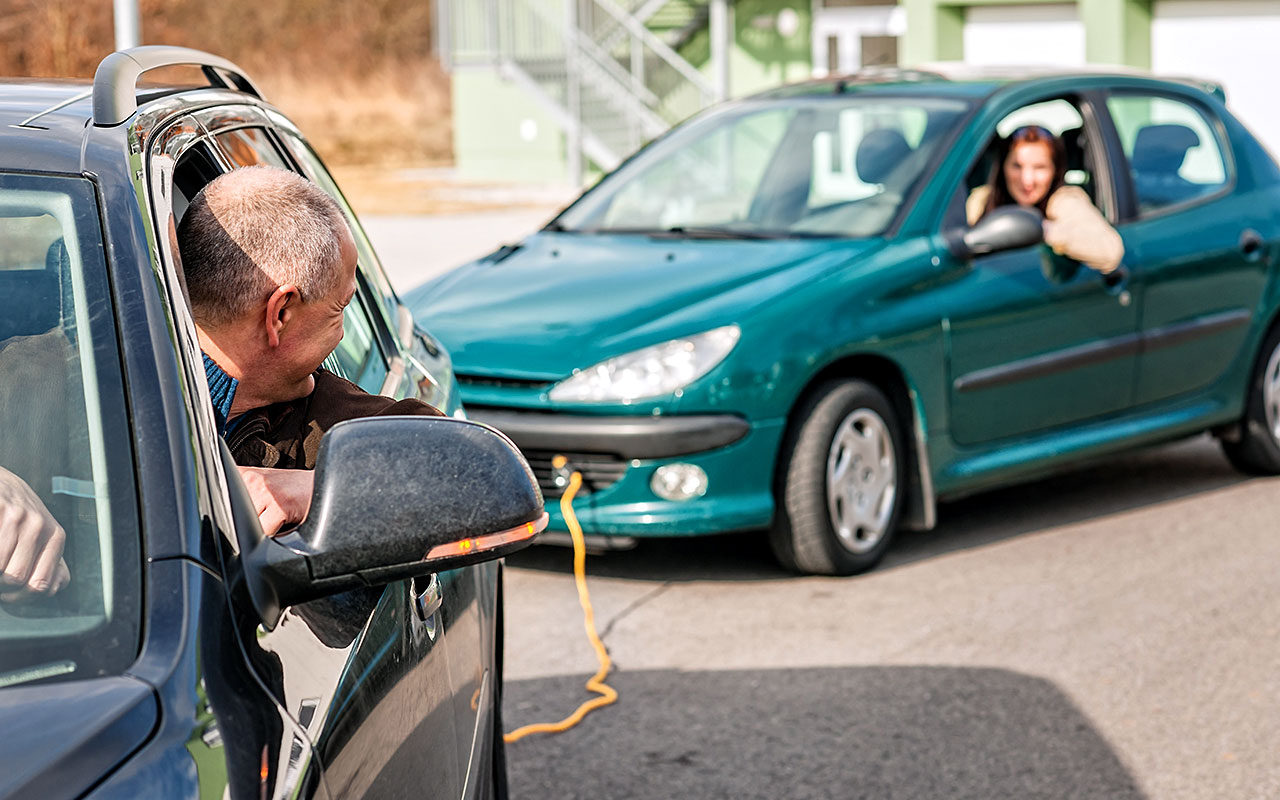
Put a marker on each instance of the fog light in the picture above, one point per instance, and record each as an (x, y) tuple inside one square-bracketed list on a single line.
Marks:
[(679, 482)]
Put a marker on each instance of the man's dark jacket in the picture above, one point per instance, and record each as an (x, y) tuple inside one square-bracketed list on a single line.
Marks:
[(287, 435)]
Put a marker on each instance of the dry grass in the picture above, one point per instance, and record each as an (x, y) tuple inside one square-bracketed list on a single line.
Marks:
[(397, 115)]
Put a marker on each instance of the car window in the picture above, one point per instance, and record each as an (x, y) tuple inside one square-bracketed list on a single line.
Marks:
[(831, 166), (1173, 153), (247, 147), (1061, 117), (357, 357), (386, 304), (64, 443), (707, 183)]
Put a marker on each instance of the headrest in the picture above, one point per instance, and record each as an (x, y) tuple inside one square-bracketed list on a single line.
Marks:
[(30, 302), (879, 153), (1162, 148), (1073, 142)]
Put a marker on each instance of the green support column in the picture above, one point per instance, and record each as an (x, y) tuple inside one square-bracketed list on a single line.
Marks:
[(935, 32), (1117, 32)]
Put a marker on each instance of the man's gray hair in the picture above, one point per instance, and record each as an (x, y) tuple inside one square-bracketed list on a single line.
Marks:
[(252, 230)]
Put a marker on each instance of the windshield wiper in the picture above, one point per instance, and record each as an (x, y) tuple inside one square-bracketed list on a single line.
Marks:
[(683, 232)]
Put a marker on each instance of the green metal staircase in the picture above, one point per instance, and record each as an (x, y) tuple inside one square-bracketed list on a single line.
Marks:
[(609, 72)]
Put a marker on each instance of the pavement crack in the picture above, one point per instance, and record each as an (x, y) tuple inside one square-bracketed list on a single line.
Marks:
[(633, 606)]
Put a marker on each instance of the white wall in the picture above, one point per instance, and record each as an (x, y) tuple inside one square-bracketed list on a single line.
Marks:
[(1041, 35), (1233, 42)]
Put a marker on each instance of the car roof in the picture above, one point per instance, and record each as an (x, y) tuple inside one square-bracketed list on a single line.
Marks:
[(42, 123), (957, 79)]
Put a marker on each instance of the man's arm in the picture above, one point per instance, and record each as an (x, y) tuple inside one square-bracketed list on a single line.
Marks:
[(281, 497), (31, 543)]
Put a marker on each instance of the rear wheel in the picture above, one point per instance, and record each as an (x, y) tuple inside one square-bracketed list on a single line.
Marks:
[(841, 483), (1257, 450)]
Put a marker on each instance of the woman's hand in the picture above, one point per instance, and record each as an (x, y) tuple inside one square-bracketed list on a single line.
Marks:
[(31, 543)]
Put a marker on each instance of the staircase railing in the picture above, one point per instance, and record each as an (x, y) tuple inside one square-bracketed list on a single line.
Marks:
[(610, 92)]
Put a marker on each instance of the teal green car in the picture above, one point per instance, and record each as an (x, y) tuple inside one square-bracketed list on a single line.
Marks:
[(776, 317)]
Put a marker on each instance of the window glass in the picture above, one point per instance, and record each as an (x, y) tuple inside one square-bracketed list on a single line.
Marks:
[(800, 166), (247, 147), (709, 182), (1173, 153), (1060, 117), (64, 447), (370, 267), (356, 357)]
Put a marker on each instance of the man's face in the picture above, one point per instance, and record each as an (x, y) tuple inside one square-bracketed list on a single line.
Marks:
[(313, 331)]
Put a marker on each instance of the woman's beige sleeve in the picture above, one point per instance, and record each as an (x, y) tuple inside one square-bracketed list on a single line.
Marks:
[(1078, 230), (976, 203)]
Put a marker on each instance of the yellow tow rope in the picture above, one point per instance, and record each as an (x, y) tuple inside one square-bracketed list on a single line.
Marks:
[(596, 682)]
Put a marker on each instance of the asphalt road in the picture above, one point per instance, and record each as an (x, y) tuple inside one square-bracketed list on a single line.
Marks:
[(1108, 633)]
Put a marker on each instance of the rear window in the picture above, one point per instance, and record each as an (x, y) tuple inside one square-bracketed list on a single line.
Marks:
[(65, 456)]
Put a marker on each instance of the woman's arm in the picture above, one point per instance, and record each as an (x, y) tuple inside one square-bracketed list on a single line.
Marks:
[(1076, 229)]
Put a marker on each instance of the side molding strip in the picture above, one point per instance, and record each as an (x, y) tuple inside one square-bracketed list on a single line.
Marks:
[(1099, 352)]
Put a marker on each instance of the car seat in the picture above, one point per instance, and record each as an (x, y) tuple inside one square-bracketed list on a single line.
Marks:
[(879, 153), (1158, 154), (1079, 161)]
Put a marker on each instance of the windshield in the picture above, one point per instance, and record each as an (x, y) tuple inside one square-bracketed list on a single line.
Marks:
[(66, 511), (812, 166)]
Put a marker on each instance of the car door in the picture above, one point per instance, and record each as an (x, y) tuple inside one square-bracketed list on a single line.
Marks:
[(1036, 341), (465, 597), (1200, 263), (364, 673)]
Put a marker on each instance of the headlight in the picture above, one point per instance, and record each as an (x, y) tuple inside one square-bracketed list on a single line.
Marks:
[(649, 372)]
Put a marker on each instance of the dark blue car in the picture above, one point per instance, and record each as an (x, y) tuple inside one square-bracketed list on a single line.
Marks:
[(189, 656)]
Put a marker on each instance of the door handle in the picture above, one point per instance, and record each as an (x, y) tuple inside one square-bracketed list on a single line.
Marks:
[(427, 597), (1251, 244), (1116, 278), (1117, 283)]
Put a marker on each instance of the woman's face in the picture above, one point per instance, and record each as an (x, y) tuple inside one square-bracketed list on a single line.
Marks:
[(1028, 172)]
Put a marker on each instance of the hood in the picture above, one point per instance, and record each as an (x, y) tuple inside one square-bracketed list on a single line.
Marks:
[(562, 301)]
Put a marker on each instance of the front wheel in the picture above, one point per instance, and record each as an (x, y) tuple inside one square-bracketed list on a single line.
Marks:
[(1257, 450), (841, 482)]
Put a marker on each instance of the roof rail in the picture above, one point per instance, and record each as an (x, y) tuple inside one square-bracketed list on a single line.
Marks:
[(115, 84)]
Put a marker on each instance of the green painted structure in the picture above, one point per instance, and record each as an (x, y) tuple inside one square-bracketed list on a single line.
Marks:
[(1116, 31), (502, 133)]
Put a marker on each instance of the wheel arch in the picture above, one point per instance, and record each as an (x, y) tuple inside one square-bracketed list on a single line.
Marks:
[(920, 511)]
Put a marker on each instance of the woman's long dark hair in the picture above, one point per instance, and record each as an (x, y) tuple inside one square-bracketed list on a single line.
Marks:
[(1031, 134)]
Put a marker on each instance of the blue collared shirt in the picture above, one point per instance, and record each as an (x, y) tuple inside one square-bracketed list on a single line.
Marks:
[(222, 390)]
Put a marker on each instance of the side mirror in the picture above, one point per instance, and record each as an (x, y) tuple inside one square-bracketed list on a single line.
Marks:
[(394, 498), (1004, 228)]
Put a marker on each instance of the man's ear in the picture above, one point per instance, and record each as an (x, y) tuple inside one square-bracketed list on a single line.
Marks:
[(279, 312)]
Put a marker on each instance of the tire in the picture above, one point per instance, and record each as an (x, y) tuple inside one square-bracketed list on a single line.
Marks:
[(841, 481), (1257, 450)]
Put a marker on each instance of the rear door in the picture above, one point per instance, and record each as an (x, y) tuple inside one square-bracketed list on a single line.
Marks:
[(1201, 256)]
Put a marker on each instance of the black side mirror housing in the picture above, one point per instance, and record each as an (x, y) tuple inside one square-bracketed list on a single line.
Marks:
[(394, 498), (1004, 228)]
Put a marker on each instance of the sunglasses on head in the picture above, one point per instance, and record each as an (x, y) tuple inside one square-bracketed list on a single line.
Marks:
[(1031, 131)]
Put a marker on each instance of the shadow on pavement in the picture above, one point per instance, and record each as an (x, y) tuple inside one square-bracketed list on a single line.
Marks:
[(1134, 480), (873, 732)]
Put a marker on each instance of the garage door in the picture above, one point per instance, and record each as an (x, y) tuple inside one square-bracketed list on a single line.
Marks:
[(1051, 35), (1229, 41)]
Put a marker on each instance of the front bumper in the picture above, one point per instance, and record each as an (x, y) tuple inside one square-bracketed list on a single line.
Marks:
[(617, 456)]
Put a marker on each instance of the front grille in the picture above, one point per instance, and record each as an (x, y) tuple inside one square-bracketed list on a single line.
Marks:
[(504, 383), (599, 471)]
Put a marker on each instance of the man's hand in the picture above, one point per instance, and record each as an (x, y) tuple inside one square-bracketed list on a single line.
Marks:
[(280, 496), (31, 543)]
